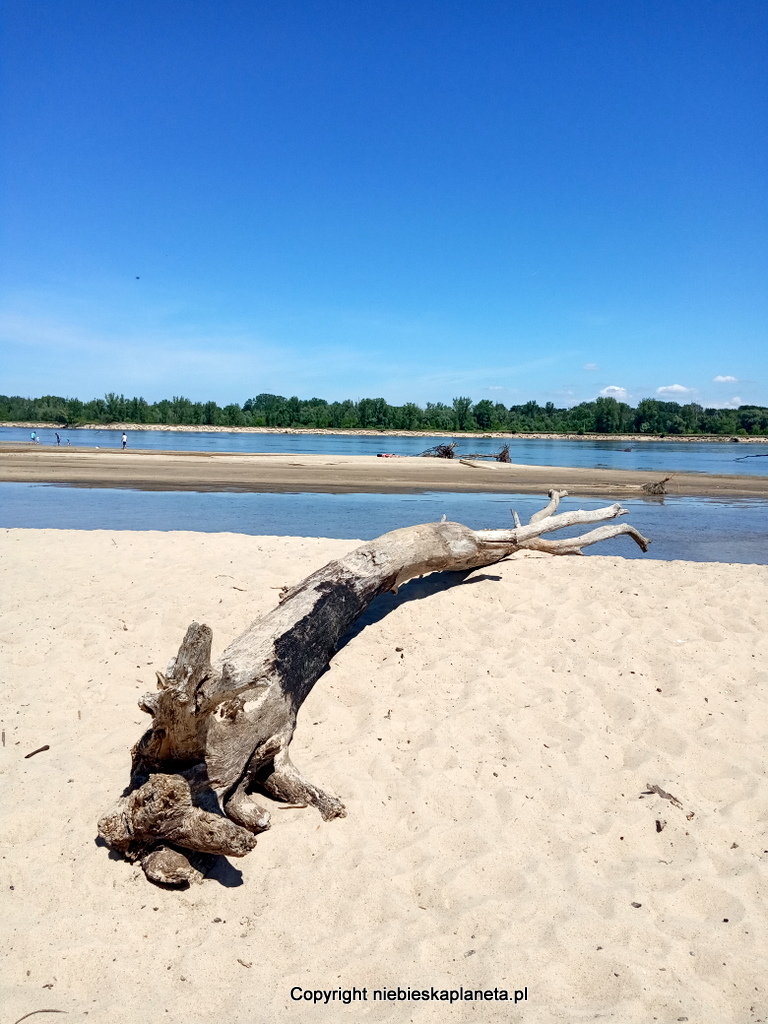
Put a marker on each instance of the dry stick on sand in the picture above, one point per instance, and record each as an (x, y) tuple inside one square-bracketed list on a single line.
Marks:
[(33, 752), (222, 730)]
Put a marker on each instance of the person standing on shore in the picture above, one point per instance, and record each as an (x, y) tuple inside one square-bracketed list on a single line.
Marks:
[(125, 440), (58, 439)]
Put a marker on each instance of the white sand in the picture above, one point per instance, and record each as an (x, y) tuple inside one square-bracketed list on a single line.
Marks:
[(496, 835)]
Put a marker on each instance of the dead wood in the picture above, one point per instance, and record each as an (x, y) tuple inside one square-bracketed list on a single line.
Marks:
[(32, 752), (657, 488), (440, 451), (502, 455), (662, 793), (221, 731)]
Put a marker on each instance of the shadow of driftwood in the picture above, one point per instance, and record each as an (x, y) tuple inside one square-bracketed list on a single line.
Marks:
[(215, 867), (415, 590), (225, 873)]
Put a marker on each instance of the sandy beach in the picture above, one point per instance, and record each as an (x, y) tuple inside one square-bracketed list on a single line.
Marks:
[(557, 786), (198, 471)]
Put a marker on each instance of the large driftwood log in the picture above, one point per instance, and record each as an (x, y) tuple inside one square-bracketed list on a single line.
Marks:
[(222, 731)]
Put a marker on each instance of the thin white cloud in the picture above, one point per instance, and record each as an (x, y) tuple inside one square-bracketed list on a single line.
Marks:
[(614, 391), (724, 379), (201, 365), (224, 364), (674, 389), (469, 377), (590, 366), (732, 403)]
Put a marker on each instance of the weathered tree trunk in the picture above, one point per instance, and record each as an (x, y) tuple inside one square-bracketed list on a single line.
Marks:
[(221, 730)]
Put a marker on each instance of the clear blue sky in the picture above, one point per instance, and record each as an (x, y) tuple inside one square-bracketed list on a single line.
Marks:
[(415, 199)]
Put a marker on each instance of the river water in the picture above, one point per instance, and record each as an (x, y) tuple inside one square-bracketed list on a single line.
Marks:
[(680, 528), (694, 529)]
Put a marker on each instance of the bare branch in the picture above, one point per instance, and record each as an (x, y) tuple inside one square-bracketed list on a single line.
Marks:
[(558, 522), (554, 501), (573, 545)]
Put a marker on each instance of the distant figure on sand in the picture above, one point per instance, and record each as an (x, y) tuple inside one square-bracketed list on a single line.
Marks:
[(58, 439), (125, 440), (33, 438)]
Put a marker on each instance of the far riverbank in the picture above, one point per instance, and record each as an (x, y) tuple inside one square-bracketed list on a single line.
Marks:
[(357, 432)]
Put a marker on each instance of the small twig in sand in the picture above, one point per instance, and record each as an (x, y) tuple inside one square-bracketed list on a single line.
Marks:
[(291, 807), (32, 754), (662, 793)]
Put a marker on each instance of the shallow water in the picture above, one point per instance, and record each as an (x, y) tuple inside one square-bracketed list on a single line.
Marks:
[(692, 529), (655, 456)]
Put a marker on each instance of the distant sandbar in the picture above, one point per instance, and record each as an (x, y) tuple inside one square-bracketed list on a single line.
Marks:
[(336, 474)]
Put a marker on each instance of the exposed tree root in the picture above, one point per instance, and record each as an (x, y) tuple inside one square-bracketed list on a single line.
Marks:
[(660, 487)]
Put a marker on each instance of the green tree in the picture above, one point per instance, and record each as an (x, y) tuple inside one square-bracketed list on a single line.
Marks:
[(607, 418), (114, 408), (438, 416), (483, 413), (232, 416), (648, 418), (462, 409), (180, 410)]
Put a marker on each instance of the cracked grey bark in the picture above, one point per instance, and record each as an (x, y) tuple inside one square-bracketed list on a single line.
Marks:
[(220, 730)]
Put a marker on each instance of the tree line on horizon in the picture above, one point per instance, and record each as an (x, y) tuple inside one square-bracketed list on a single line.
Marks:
[(601, 416)]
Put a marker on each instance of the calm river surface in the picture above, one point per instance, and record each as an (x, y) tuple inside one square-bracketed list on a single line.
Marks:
[(693, 529), (683, 456)]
